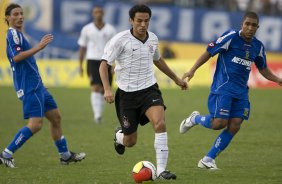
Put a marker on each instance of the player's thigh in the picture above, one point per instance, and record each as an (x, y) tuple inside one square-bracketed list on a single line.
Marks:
[(219, 106), (127, 112), (33, 104), (152, 105), (49, 102), (234, 125), (240, 109)]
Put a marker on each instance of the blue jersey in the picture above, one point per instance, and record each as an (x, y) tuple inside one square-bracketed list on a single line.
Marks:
[(25, 73), (234, 63)]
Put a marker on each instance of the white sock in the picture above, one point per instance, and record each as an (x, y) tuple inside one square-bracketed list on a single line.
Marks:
[(207, 159), (119, 137), (161, 151), (97, 102)]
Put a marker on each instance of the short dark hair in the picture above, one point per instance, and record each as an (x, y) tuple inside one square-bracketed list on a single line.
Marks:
[(252, 15), (9, 9), (139, 8)]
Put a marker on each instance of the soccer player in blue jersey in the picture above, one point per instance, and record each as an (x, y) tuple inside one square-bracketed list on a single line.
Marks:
[(37, 101), (228, 102)]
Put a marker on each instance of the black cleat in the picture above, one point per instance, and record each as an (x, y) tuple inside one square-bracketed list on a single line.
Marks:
[(120, 149), (8, 162), (75, 157), (167, 175)]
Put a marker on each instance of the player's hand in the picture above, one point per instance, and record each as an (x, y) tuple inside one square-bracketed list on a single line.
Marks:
[(109, 97), (45, 40), (189, 75), (81, 71), (182, 84)]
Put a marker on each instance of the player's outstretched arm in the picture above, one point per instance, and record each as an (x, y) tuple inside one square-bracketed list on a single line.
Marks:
[(42, 44), (270, 76), (103, 70), (200, 61), (162, 66)]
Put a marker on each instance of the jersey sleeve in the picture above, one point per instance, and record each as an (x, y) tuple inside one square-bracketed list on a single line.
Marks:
[(82, 41), (260, 60), (112, 50), (221, 44), (15, 42), (157, 54)]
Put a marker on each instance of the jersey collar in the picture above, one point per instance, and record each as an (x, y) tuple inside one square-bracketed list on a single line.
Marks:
[(143, 41)]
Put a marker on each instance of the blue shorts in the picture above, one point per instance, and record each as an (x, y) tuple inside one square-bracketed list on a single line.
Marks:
[(37, 102), (226, 107)]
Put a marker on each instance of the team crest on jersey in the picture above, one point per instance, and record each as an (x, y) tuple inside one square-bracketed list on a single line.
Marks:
[(125, 122), (18, 48), (247, 54)]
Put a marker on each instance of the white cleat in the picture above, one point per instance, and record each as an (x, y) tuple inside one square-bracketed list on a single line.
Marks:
[(207, 165), (186, 124)]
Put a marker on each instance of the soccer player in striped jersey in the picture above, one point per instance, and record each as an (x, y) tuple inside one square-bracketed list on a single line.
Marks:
[(37, 101), (138, 99), (228, 102)]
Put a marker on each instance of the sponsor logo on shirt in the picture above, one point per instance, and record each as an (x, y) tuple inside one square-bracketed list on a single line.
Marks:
[(243, 62)]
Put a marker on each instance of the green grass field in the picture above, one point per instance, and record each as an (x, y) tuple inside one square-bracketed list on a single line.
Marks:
[(254, 156)]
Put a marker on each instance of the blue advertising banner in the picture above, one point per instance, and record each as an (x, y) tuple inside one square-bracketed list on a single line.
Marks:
[(65, 18)]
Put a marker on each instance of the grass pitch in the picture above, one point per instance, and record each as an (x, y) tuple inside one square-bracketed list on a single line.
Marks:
[(254, 156)]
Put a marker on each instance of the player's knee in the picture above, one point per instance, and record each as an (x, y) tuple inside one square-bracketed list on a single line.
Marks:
[(130, 142), (159, 126), (35, 126), (219, 124)]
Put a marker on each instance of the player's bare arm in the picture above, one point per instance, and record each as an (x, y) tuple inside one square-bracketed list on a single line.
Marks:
[(108, 94), (42, 44), (200, 61), (82, 51), (161, 64), (270, 76)]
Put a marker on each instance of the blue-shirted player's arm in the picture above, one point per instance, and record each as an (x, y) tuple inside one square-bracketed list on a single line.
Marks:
[(28, 53), (260, 62), (219, 45), (200, 61)]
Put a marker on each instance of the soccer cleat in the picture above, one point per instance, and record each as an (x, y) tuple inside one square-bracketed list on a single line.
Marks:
[(8, 162), (120, 149), (167, 175), (186, 124), (207, 165), (75, 157)]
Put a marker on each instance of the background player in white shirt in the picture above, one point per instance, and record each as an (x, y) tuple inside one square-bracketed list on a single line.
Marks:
[(138, 99), (92, 41)]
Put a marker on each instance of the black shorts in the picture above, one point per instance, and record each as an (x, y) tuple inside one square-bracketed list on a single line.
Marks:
[(93, 72), (132, 106)]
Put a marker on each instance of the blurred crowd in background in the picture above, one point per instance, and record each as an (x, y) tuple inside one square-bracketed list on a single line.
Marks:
[(265, 7)]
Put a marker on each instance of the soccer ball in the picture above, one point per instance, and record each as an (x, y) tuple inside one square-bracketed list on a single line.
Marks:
[(144, 171)]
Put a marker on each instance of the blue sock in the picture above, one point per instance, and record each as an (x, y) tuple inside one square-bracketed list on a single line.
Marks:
[(205, 121), (20, 138), (62, 147), (220, 144)]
